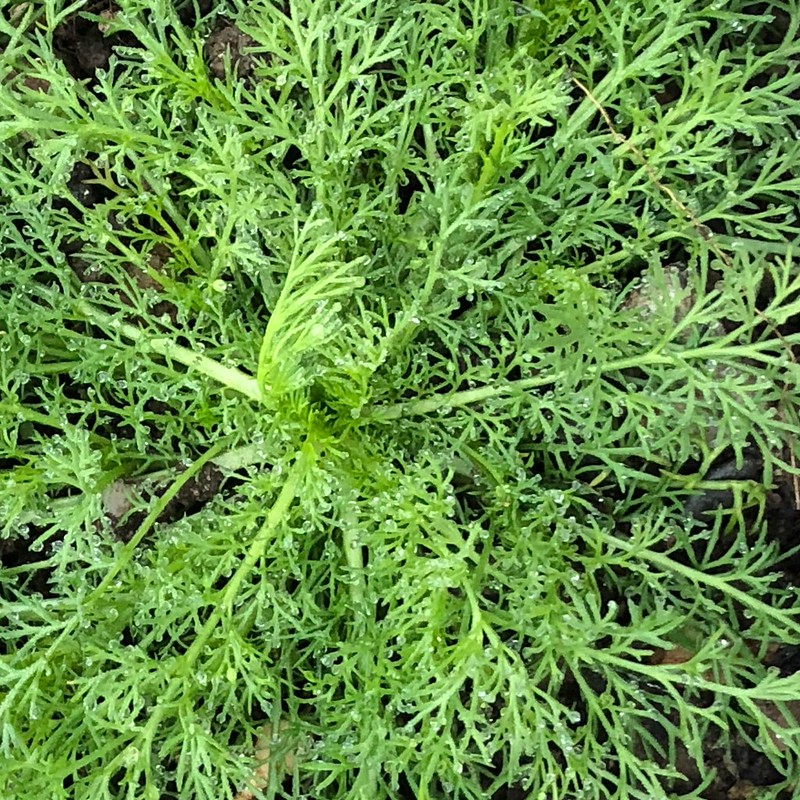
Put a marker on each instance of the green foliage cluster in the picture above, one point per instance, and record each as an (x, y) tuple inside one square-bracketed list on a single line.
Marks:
[(459, 444)]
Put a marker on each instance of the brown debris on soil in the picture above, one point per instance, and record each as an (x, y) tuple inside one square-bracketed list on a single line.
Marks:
[(29, 81), (263, 752), (121, 497), (230, 42)]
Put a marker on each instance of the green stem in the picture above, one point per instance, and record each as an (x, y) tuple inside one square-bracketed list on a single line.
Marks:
[(778, 616), (128, 550), (491, 160), (229, 461), (457, 399), (781, 689), (275, 518), (230, 377), (482, 393)]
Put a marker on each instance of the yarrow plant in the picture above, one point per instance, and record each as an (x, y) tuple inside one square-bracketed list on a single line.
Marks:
[(364, 397)]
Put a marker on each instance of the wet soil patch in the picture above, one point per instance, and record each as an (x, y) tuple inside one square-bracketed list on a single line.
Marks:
[(82, 43)]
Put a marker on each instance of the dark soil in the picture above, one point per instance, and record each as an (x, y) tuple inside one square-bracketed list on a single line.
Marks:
[(191, 497), (227, 42)]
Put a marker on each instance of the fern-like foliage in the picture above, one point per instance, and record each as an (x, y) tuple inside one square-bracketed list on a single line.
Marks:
[(465, 302)]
